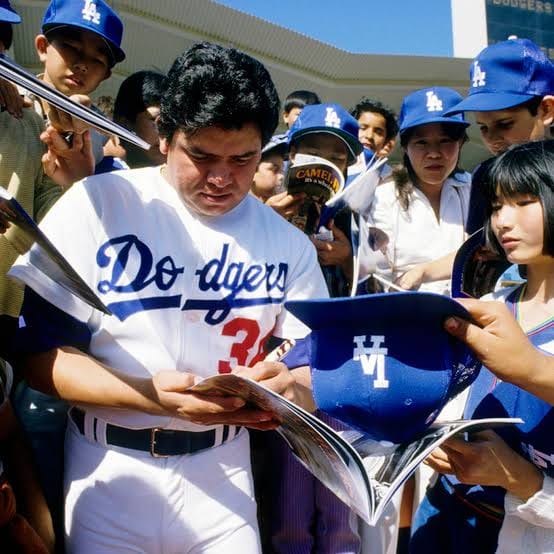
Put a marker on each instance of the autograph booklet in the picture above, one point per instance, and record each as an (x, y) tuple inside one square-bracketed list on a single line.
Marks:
[(320, 180), (14, 73), (476, 268), (363, 473), (46, 258)]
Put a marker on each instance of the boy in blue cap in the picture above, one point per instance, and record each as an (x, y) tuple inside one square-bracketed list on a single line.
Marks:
[(308, 516), (512, 96), (330, 132), (79, 45)]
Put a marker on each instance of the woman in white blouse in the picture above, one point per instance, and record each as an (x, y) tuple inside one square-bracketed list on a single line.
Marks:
[(423, 206)]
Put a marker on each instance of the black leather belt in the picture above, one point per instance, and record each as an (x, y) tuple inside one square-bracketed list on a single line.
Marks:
[(160, 443)]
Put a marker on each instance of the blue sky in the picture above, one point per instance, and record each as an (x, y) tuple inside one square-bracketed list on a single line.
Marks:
[(418, 27)]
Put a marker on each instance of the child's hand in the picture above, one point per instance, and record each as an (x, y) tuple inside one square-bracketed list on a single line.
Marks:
[(487, 460), (413, 278), (335, 252), (65, 123), (64, 162), (286, 204)]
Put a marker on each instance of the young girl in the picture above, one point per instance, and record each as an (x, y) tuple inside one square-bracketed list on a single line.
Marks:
[(497, 494), (423, 206)]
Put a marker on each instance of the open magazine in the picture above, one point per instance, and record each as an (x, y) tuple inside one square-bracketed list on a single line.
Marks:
[(14, 73), (320, 180), (476, 268), (47, 259), (362, 472)]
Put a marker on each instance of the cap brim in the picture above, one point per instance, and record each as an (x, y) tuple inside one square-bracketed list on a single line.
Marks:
[(488, 102), (280, 149), (9, 16), (354, 146), (421, 308), (117, 53), (438, 119)]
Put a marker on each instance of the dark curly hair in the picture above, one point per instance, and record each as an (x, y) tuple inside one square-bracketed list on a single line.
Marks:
[(373, 106), (210, 85)]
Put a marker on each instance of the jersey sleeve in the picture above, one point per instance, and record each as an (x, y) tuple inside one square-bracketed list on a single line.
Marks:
[(305, 282), (73, 226)]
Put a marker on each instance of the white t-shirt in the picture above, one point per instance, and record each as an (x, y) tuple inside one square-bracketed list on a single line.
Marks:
[(415, 235), (192, 293)]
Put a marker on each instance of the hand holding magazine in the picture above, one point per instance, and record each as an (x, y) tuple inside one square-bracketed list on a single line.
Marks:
[(319, 180)]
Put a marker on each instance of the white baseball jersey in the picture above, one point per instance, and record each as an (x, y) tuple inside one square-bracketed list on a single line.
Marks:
[(188, 292)]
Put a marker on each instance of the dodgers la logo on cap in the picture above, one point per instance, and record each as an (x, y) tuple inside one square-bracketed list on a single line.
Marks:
[(7, 13), (429, 105), (383, 363), (507, 74), (92, 15), (332, 119)]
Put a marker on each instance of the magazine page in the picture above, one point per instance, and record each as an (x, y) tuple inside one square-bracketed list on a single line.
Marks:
[(389, 465), (14, 73), (319, 180), (317, 446), (46, 257)]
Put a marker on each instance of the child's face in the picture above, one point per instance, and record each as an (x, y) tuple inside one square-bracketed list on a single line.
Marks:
[(75, 62), (146, 127), (269, 174), (325, 146), (432, 153), (373, 131), (518, 224), (290, 117), (502, 128)]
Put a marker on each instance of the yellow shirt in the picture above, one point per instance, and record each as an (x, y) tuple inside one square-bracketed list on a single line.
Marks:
[(21, 174)]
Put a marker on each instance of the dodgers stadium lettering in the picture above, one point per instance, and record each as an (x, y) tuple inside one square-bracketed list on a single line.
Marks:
[(131, 268)]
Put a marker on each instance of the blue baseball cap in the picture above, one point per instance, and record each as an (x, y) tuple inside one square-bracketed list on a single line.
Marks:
[(429, 105), (383, 363), (7, 13), (277, 144), (506, 74), (332, 119), (93, 15)]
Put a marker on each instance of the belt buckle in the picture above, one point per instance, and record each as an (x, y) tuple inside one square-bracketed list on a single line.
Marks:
[(153, 452)]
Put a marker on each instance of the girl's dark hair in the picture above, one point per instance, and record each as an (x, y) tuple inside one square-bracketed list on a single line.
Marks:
[(404, 175), (525, 169), (139, 91)]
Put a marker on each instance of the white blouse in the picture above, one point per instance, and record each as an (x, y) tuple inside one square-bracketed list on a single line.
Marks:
[(416, 235)]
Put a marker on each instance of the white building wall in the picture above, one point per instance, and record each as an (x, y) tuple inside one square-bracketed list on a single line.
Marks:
[(469, 27)]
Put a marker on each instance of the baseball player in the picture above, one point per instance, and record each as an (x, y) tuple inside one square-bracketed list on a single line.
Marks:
[(195, 271)]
